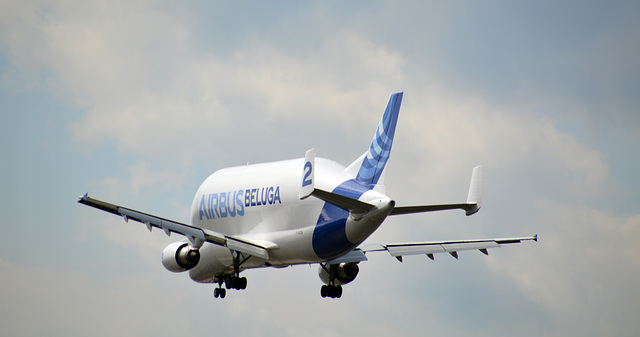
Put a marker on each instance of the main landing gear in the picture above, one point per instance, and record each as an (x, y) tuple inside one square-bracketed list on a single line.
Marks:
[(232, 282), (235, 282), (331, 291)]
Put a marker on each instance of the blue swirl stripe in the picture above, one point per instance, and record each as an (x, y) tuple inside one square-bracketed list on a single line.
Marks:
[(380, 148)]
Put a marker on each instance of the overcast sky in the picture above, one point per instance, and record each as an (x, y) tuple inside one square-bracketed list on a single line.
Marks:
[(137, 102)]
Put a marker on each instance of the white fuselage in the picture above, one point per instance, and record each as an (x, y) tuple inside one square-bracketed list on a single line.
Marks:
[(261, 203)]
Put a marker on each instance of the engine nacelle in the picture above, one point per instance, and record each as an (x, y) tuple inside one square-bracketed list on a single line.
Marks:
[(343, 273), (178, 257)]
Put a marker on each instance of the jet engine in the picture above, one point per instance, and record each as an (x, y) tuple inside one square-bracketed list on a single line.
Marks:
[(343, 273), (179, 256)]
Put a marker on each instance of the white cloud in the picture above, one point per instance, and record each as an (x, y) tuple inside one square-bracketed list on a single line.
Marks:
[(50, 301), (445, 136), (143, 82), (584, 269), (252, 88), (146, 85), (143, 179)]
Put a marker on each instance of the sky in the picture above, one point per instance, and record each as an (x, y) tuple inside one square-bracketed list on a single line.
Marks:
[(137, 102)]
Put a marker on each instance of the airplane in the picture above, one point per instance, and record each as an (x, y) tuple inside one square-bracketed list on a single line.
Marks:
[(302, 211)]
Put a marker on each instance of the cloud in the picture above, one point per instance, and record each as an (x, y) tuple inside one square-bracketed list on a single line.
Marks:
[(144, 178), (177, 100), (254, 88), (67, 302), (447, 136), (146, 85), (584, 269)]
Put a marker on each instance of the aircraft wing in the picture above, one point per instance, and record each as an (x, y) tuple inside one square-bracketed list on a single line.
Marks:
[(197, 236), (398, 250)]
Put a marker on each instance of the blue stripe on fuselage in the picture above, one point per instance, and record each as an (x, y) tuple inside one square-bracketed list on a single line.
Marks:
[(329, 236)]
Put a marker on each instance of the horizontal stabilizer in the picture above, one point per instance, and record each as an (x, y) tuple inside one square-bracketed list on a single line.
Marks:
[(432, 208), (472, 206), (346, 203)]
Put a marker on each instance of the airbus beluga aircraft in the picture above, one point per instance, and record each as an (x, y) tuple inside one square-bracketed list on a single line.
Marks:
[(301, 211)]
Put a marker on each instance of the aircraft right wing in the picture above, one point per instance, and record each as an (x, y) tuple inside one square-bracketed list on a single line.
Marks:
[(398, 250), (197, 236)]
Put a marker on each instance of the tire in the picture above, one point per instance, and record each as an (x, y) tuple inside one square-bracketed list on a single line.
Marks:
[(324, 291)]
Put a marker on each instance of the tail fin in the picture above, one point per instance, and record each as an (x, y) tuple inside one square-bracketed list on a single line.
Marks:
[(376, 158)]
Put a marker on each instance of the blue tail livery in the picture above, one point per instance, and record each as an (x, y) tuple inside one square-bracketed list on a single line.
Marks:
[(374, 163)]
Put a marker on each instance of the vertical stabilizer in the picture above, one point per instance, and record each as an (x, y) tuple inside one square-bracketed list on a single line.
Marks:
[(376, 158)]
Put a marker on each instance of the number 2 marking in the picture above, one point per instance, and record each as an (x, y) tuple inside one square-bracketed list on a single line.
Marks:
[(306, 180)]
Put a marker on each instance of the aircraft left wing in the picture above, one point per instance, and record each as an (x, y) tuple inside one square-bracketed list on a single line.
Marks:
[(197, 236), (398, 250)]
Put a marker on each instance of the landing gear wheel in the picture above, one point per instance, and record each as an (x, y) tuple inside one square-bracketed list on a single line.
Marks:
[(331, 291), (337, 292), (324, 291), (234, 282), (219, 291)]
